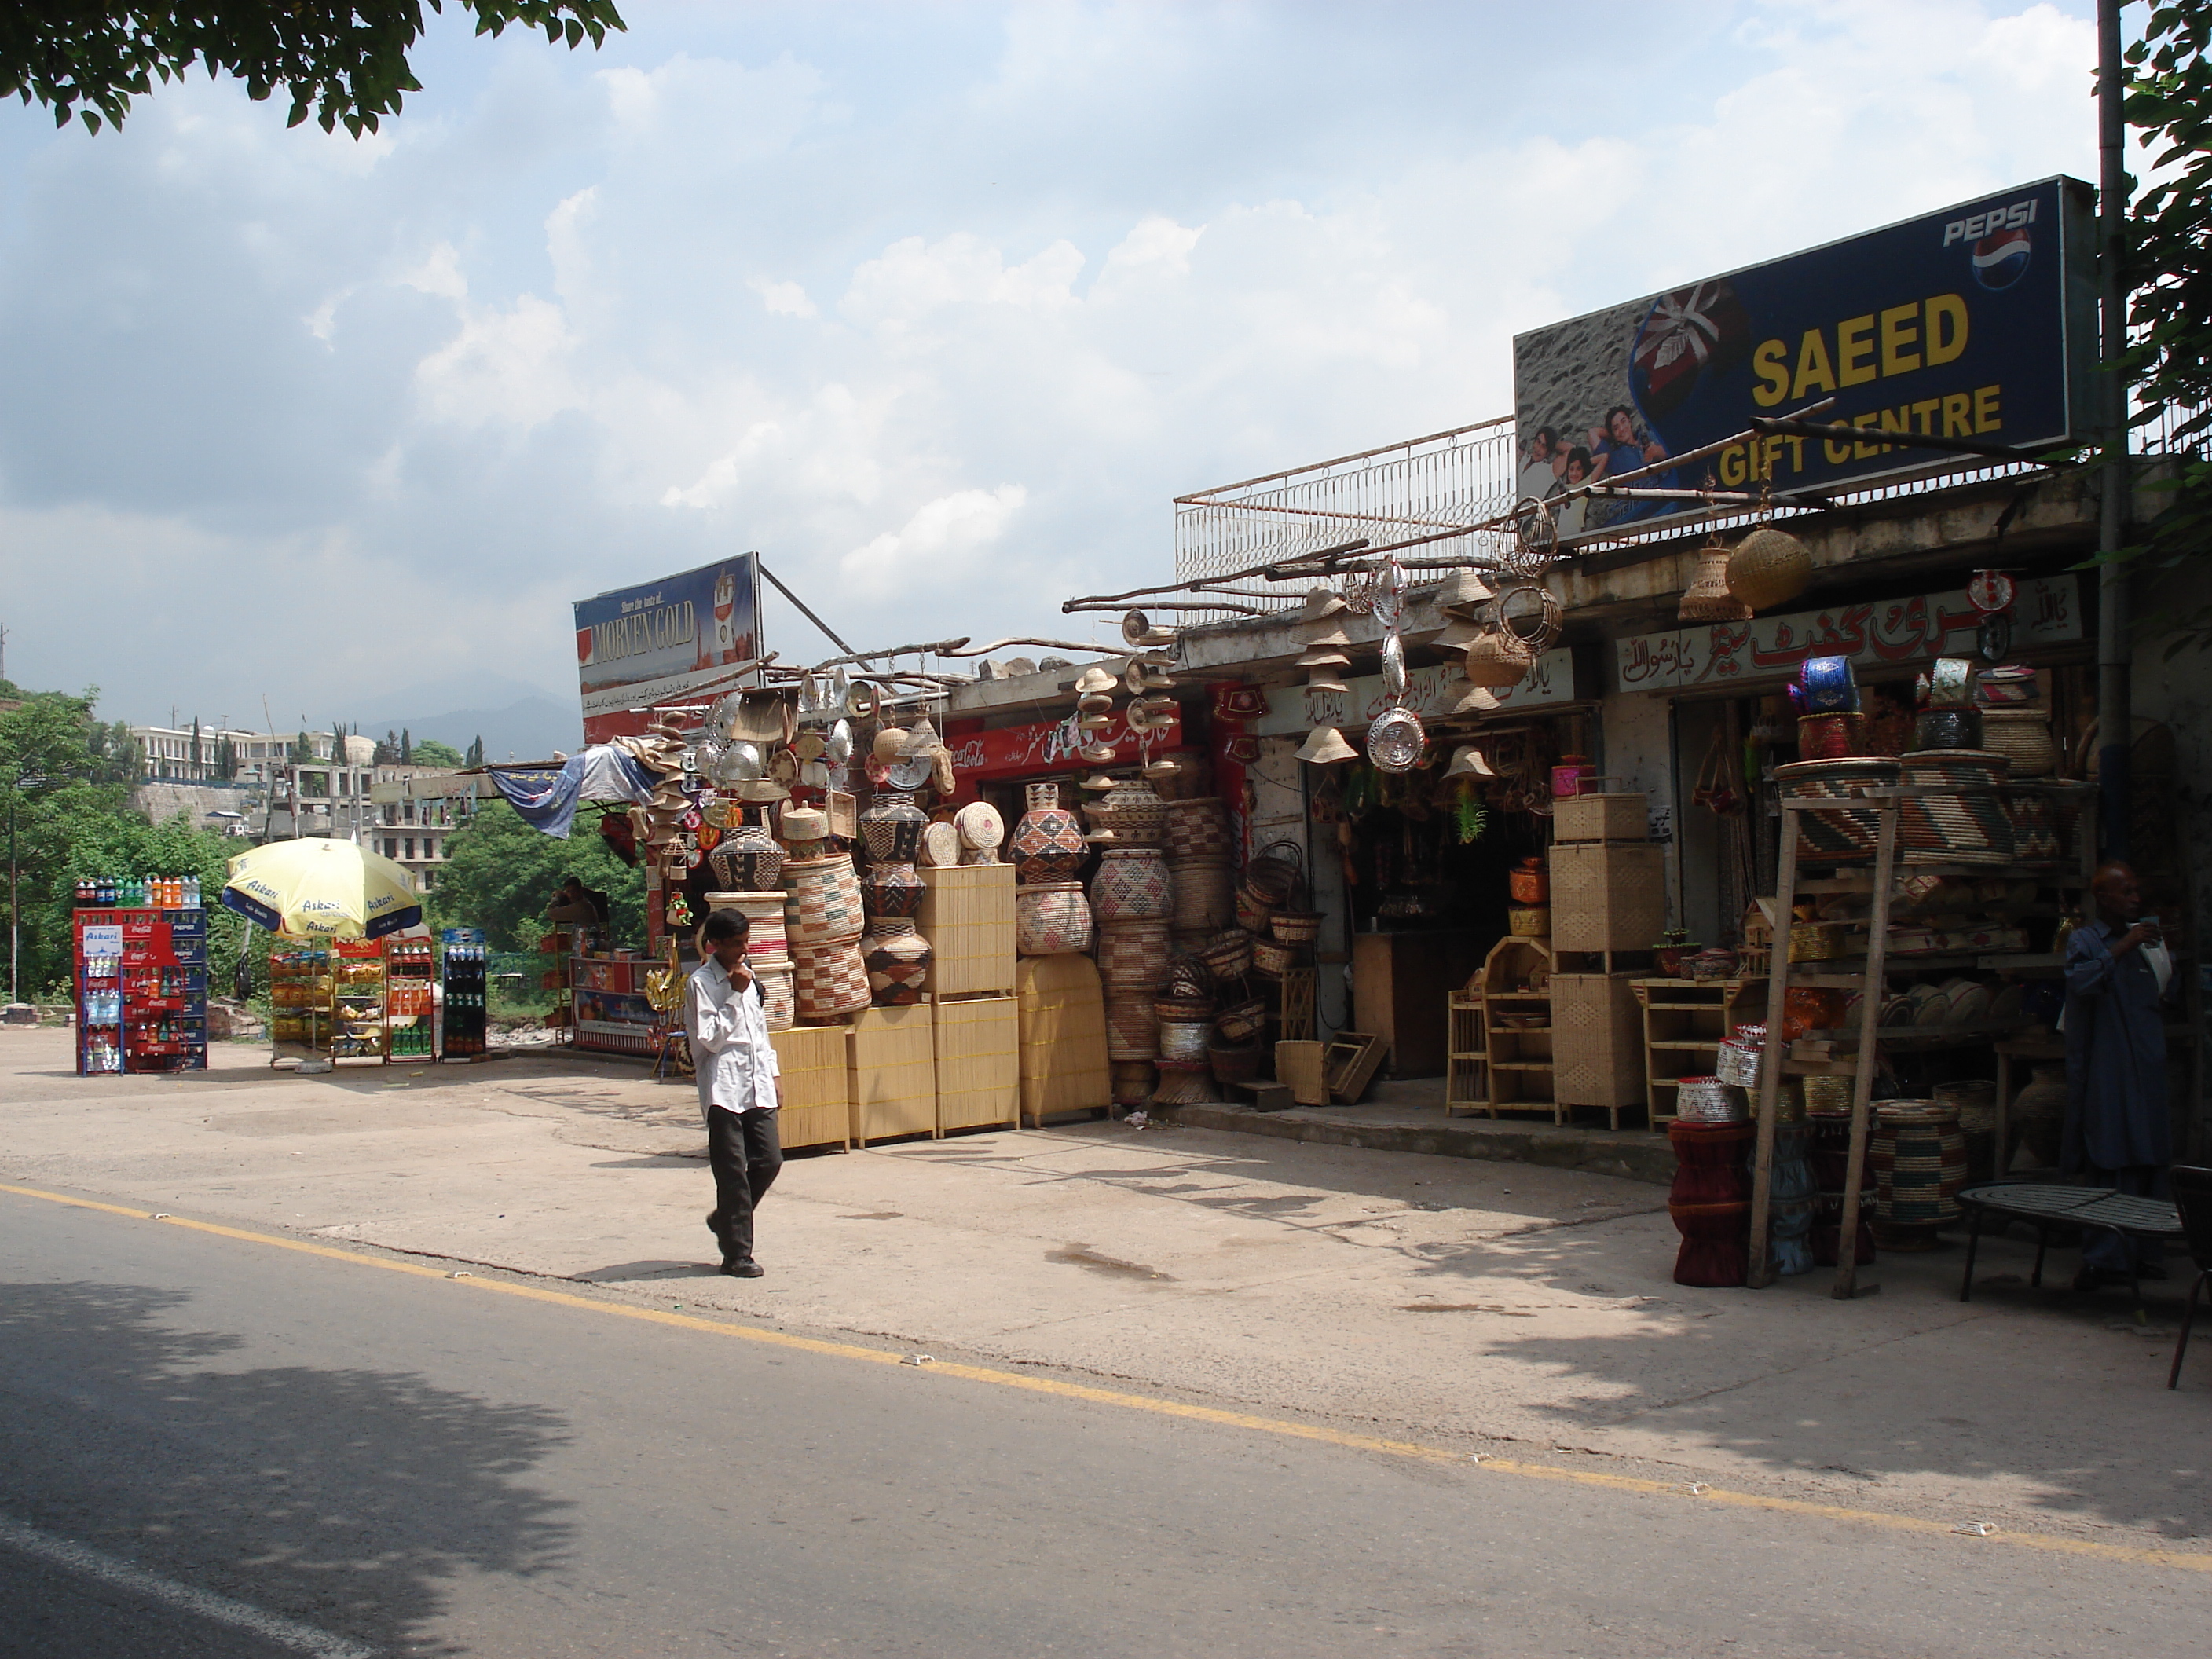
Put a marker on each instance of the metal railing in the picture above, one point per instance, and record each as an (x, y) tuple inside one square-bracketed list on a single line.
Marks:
[(1399, 492)]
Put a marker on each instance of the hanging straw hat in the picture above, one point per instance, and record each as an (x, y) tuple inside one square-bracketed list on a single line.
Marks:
[(1324, 679), (1325, 746), (920, 740), (1100, 780), (1322, 658), (1463, 590), (1467, 762), (1095, 679), (1470, 699), (1457, 635), (1319, 603), (1323, 633)]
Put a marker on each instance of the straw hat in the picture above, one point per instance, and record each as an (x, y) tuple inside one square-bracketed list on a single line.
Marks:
[(1322, 658), (1463, 590), (890, 744), (1457, 635), (1150, 714), (1325, 746), (1099, 780), (1094, 679), (1094, 702), (1137, 629), (1319, 603), (1325, 632), (1471, 699), (921, 738), (1467, 762), (1324, 679)]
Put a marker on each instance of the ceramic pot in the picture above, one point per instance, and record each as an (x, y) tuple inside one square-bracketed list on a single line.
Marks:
[(1052, 918), (1047, 844), (747, 859), (1131, 886), (898, 959), (893, 890), (890, 827)]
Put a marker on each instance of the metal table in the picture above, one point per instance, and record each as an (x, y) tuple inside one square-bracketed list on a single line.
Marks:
[(2047, 1205)]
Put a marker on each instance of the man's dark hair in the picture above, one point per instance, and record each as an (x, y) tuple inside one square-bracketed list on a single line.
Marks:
[(572, 884), (726, 925)]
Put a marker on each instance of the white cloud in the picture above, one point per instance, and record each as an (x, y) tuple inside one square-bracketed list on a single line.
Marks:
[(508, 366), (912, 278), (784, 299), (943, 541)]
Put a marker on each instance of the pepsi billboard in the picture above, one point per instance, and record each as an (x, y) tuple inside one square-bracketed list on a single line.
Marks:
[(1978, 322)]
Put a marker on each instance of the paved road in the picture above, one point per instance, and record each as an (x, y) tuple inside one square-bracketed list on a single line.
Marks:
[(214, 1446)]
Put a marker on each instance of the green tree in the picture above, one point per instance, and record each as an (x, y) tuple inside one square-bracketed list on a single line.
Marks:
[(499, 875), (476, 750), (342, 61), (431, 752), (406, 747)]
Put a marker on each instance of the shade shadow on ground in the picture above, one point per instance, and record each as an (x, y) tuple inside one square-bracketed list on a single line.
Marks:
[(346, 1499)]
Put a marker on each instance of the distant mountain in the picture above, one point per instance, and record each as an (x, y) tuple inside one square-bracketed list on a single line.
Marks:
[(529, 728)]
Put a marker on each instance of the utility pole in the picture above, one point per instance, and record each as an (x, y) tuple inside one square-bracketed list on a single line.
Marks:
[(2115, 699)]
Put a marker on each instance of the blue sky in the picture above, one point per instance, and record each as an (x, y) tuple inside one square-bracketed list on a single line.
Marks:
[(937, 305)]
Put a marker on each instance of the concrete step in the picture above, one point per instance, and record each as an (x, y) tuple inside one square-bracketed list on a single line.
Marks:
[(1407, 1116)]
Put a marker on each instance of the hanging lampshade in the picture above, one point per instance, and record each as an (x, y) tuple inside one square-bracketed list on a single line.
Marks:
[(1464, 590), (1467, 698), (1769, 566), (1469, 762), (1325, 746), (1708, 598)]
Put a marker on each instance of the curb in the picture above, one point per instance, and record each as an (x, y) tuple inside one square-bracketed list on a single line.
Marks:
[(1595, 1151)]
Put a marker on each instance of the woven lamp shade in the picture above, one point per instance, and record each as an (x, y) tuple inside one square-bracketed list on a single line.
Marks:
[(1498, 659), (1709, 599), (1769, 566)]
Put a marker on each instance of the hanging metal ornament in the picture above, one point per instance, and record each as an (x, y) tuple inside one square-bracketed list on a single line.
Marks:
[(1393, 665), (1389, 599), (1359, 588), (1993, 638), (1395, 740)]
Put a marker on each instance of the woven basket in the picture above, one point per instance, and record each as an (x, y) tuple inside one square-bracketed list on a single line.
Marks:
[(1133, 955), (1969, 826), (1052, 918), (1830, 737), (1132, 885), (1528, 921), (1198, 829), (1253, 912), (1498, 659), (829, 979), (1975, 1104), (779, 993), (2035, 838), (822, 901), (1130, 1081), (1708, 598), (1204, 893), (1272, 958), (1229, 954), (1295, 927), (1277, 875), (1184, 1008), (1841, 833), (1189, 979), (2023, 737), (1769, 566), (1235, 1062), (1132, 1027), (1244, 1021), (1182, 1044)]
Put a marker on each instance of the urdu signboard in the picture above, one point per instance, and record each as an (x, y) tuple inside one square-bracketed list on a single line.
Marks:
[(1978, 321), (1887, 634), (639, 646)]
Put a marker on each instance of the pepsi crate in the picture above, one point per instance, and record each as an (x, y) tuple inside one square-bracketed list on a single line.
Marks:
[(192, 952), (187, 924)]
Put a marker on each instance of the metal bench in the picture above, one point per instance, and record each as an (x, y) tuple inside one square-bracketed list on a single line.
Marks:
[(2046, 1204)]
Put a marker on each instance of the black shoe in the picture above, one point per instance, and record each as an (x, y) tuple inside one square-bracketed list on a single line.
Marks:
[(744, 1269), (2151, 1270), (2095, 1278)]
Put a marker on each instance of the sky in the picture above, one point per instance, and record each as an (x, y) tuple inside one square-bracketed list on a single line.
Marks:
[(936, 305)]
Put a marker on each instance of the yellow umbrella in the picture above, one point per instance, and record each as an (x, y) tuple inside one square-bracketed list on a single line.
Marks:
[(316, 888)]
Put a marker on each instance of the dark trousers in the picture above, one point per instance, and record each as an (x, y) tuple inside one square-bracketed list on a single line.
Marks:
[(2110, 1252), (743, 1152)]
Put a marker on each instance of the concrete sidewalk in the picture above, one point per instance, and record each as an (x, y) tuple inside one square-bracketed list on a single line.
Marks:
[(1446, 1299)]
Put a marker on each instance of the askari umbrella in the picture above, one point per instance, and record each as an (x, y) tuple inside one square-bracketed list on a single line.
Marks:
[(316, 888)]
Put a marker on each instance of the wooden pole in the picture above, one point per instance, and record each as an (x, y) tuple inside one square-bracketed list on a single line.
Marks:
[(1769, 1059), (1885, 872)]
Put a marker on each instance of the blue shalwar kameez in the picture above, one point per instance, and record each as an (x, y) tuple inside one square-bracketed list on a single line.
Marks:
[(2117, 1132)]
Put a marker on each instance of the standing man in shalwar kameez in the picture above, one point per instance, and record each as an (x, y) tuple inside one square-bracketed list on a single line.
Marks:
[(2118, 1133)]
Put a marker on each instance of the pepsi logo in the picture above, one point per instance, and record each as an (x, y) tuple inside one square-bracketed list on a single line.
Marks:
[(2000, 260)]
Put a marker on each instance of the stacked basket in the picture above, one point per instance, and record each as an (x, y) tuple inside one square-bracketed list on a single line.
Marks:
[(1052, 916), (823, 919), (1200, 848)]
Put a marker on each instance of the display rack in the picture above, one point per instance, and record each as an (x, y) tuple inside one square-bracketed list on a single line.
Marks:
[(1684, 1022), (465, 1010), (140, 990), (611, 1013), (411, 968), (1499, 1057), (302, 999), (357, 1030)]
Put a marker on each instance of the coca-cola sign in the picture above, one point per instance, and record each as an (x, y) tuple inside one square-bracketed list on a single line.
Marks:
[(1051, 746)]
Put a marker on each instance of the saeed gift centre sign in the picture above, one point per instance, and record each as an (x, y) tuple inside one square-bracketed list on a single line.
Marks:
[(1888, 633)]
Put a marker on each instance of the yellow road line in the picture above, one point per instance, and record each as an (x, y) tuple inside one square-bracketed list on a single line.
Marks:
[(2190, 1561)]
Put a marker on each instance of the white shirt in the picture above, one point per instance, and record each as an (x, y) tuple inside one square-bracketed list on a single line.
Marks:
[(732, 1051)]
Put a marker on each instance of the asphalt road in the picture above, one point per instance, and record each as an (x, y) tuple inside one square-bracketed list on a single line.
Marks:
[(214, 1446)]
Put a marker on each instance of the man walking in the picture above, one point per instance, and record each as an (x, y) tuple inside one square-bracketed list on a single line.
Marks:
[(2117, 1134), (740, 1085)]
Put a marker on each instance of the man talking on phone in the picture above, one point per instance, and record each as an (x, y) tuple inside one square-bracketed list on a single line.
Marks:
[(2117, 1132), (740, 1085)]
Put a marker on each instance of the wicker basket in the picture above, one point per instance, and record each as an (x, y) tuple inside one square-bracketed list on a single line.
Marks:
[(1204, 893), (1528, 921), (1244, 1021), (2023, 737), (1968, 827), (1132, 885), (1277, 875), (779, 993), (1052, 918), (1272, 958), (1294, 926), (1131, 1081), (1132, 1027), (1839, 833), (1498, 659), (1182, 1044), (1237, 1062), (1133, 955), (1769, 566), (1253, 912), (829, 979), (1198, 829), (1708, 598), (1608, 895), (1228, 954), (1587, 817), (822, 901)]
